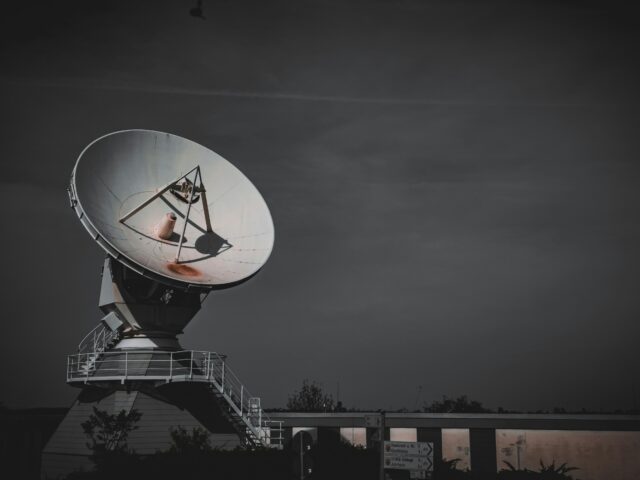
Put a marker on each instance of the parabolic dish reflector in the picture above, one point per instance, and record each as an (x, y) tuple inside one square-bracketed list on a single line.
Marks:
[(125, 183)]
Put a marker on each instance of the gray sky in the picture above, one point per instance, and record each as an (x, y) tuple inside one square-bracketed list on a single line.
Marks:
[(454, 187)]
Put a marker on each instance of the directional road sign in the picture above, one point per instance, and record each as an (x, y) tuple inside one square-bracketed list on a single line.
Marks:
[(408, 448), (408, 455)]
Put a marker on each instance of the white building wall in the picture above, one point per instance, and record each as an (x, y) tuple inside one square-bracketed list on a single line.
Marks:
[(354, 436), (455, 444), (403, 434), (598, 455)]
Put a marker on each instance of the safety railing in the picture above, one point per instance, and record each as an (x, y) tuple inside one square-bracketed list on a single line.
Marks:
[(97, 340), (181, 366)]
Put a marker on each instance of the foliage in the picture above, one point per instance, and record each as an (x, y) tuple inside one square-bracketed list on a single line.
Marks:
[(551, 469), (461, 404), (109, 432), (546, 472), (310, 398), (185, 443), (237, 464), (338, 460), (448, 470)]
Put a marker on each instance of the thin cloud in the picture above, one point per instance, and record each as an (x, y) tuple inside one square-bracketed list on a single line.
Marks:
[(293, 96)]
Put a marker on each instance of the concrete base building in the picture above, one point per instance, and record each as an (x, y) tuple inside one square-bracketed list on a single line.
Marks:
[(187, 405)]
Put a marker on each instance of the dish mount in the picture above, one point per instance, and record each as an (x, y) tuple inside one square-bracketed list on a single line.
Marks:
[(149, 198), (187, 191)]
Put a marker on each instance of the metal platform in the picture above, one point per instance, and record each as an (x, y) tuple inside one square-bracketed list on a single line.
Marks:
[(121, 366)]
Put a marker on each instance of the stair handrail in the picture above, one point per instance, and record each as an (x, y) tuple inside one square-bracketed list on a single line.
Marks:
[(97, 340), (257, 421)]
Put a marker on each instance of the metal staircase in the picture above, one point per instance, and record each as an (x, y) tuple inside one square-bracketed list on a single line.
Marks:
[(259, 429), (94, 344), (243, 410)]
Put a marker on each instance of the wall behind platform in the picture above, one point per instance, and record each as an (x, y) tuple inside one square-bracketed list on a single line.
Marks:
[(455, 444), (354, 436), (403, 435), (598, 455)]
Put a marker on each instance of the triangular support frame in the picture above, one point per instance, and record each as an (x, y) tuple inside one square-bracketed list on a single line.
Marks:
[(197, 176)]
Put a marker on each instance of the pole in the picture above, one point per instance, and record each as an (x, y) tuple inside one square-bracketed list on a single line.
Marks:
[(205, 205), (382, 429), (153, 197), (186, 218), (301, 459)]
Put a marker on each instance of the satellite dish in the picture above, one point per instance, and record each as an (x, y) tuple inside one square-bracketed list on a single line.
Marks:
[(133, 190)]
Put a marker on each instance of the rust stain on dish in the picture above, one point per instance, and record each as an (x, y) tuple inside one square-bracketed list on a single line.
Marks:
[(182, 269)]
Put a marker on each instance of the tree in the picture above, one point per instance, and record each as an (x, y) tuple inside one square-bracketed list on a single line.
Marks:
[(310, 398), (455, 405), (189, 443), (108, 433)]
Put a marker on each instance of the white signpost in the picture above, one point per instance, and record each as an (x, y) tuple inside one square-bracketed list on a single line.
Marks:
[(417, 457)]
